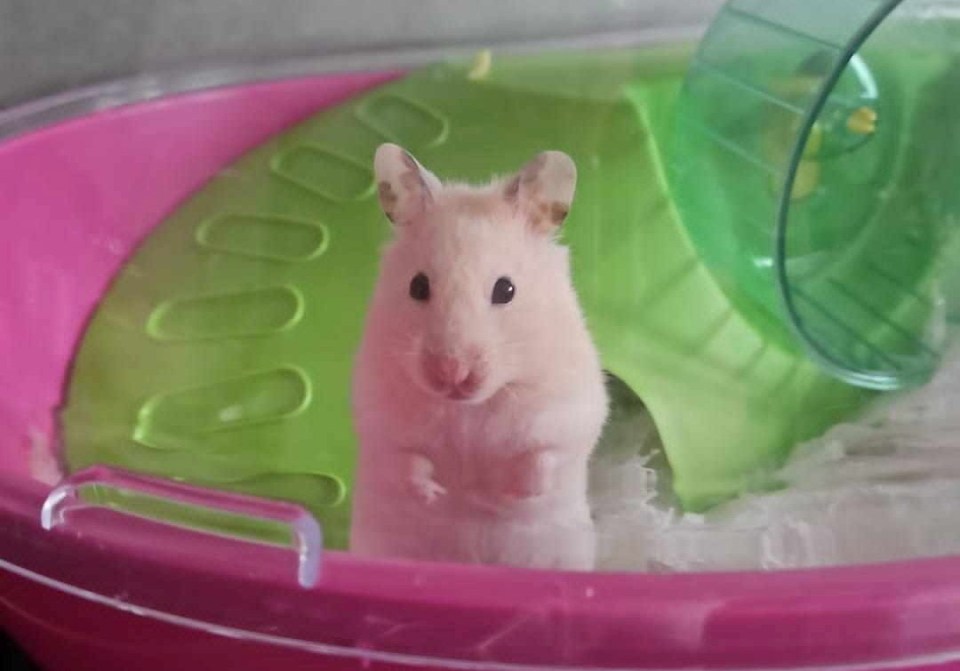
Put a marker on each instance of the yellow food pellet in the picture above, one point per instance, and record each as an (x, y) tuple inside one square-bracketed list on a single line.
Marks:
[(482, 63), (814, 141), (863, 121), (806, 181)]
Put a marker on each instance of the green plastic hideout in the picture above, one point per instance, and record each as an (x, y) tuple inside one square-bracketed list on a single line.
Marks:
[(222, 353)]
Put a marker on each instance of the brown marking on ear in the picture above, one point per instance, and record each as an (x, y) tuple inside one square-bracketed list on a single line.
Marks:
[(542, 212), (558, 212), (546, 217), (388, 199), (537, 199)]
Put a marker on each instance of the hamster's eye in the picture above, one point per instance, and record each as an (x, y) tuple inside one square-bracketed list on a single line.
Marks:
[(420, 288), (503, 291)]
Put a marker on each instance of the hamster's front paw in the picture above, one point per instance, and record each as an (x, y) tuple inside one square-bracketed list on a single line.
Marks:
[(530, 474), (420, 479), (428, 490)]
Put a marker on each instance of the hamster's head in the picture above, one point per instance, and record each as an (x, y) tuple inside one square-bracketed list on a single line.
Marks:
[(474, 288)]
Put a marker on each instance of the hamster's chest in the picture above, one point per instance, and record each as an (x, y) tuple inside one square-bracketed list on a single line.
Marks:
[(470, 448)]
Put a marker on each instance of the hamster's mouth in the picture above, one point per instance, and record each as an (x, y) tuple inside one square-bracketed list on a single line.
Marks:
[(463, 395), (457, 394), (481, 394), (469, 395)]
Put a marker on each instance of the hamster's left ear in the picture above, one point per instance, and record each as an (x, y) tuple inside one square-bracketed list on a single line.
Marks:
[(543, 190), (406, 189)]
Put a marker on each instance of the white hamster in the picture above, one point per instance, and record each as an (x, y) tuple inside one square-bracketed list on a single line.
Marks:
[(478, 393)]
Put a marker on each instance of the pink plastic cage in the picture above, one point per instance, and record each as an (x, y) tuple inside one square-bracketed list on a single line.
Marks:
[(83, 178)]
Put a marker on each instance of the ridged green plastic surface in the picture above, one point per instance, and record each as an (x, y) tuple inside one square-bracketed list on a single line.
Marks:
[(222, 354)]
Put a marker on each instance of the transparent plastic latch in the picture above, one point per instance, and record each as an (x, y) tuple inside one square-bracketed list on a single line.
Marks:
[(180, 506)]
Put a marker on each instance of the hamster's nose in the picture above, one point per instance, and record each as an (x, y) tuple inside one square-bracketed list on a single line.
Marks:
[(452, 376), (443, 371)]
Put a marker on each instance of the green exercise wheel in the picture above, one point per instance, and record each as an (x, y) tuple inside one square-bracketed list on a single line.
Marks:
[(817, 172)]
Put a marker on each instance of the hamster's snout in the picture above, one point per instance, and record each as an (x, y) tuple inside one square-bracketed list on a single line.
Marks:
[(458, 378)]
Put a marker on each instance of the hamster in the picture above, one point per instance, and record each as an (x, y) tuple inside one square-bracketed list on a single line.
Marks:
[(478, 394)]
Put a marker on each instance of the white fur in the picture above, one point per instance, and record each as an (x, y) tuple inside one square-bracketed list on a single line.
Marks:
[(501, 477)]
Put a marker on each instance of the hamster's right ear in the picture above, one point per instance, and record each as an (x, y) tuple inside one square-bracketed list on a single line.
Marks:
[(543, 190), (404, 186)]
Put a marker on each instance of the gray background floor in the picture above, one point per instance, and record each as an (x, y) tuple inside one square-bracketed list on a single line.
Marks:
[(48, 46)]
